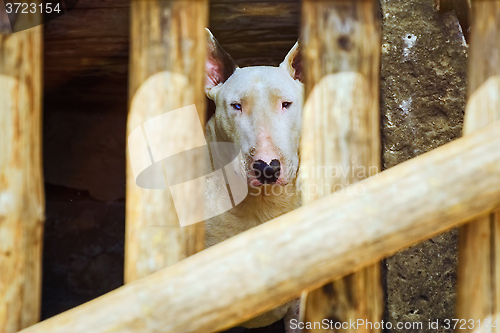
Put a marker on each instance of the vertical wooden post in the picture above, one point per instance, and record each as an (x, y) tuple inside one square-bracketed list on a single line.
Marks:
[(341, 135), (21, 179), (167, 63), (479, 245)]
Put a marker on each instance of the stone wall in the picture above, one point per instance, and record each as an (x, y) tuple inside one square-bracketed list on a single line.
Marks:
[(423, 91)]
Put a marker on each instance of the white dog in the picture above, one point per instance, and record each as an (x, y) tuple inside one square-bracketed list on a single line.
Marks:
[(259, 109)]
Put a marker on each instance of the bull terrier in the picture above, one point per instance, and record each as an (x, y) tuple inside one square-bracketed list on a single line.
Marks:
[(259, 110)]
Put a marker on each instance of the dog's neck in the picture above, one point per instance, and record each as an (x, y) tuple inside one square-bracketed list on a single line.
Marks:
[(267, 202)]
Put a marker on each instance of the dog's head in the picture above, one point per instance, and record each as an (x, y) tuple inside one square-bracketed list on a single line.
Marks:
[(260, 110)]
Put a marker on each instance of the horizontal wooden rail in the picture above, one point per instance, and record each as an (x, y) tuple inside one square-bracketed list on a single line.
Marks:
[(331, 237)]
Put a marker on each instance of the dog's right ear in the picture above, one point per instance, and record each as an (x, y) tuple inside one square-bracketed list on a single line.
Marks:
[(219, 65), (293, 63)]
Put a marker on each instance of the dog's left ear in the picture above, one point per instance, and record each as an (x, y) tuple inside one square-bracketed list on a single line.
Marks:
[(293, 63)]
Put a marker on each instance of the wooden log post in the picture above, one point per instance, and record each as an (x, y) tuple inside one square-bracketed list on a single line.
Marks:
[(340, 143), (21, 179), (167, 72), (479, 245), (226, 284)]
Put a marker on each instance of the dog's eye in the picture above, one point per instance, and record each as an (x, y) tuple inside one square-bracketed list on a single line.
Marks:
[(286, 105), (236, 106)]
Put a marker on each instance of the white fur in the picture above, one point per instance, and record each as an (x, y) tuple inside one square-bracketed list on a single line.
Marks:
[(262, 130)]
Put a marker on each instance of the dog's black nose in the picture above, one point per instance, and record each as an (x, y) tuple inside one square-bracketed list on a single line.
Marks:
[(267, 173)]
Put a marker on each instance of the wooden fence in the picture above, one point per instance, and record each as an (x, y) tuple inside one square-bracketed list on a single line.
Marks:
[(341, 129), (479, 245), (167, 37), (338, 239), (21, 179)]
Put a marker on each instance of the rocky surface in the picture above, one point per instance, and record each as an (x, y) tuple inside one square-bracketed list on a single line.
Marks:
[(423, 91)]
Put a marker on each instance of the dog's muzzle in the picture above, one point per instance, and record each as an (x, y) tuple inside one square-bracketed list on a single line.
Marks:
[(267, 173)]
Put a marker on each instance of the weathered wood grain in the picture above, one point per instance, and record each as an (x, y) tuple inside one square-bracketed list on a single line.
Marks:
[(82, 4), (82, 49), (256, 33), (21, 179), (90, 45), (97, 29), (479, 246), (340, 143), (168, 50), (332, 237)]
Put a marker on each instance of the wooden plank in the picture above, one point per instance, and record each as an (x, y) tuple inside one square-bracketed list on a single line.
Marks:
[(91, 44), (167, 72), (83, 62), (85, 23), (270, 264), (256, 1), (21, 179), (340, 143), (475, 277), (264, 15), (102, 4), (479, 247), (495, 223), (256, 33)]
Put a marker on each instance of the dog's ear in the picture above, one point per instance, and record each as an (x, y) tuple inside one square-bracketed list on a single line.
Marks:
[(293, 63), (219, 65)]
